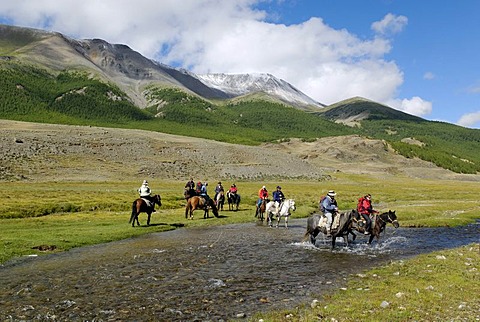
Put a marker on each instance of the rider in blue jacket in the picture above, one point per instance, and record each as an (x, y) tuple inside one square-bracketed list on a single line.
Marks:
[(278, 198), (330, 207)]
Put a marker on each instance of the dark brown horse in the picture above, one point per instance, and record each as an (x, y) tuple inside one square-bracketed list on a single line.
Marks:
[(140, 205), (260, 211), (378, 224), (197, 202), (233, 200), (188, 193), (341, 225)]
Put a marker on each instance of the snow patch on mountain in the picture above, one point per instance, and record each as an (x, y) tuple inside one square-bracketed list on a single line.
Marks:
[(242, 84)]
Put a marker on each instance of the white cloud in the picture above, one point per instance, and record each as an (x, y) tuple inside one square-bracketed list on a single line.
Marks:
[(474, 89), (470, 120), (428, 76), (390, 24), (233, 37), (415, 106)]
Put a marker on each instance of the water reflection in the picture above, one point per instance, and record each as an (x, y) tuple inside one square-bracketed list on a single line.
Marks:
[(201, 274)]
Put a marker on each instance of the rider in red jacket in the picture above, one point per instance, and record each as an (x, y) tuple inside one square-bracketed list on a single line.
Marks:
[(365, 209)]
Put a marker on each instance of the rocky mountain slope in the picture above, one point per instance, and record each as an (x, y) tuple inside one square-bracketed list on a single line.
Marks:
[(131, 71), (46, 152)]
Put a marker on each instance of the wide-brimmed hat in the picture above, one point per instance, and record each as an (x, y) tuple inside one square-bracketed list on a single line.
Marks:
[(264, 187), (331, 193)]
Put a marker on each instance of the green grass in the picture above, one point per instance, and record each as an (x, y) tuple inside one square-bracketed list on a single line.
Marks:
[(441, 286), (74, 214)]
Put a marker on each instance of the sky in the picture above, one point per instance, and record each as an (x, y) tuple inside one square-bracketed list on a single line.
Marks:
[(420, 57)]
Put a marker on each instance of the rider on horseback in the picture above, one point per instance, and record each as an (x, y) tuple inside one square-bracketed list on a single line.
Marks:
[(198, 187), (218, 189), (365, 209), (190, 185), (262, 195), (145, 193), (330, 207), (278, 198), (203, 193), (233, 189)]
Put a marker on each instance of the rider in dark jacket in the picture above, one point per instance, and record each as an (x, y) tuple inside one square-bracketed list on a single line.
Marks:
[(278, 198)]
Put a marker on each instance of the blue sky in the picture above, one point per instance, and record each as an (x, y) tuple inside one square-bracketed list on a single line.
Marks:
[(420, 57)]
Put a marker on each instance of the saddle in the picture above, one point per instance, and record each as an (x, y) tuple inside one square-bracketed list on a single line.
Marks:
[(361, 222), (148, 202), (335, 221), (204, 202)]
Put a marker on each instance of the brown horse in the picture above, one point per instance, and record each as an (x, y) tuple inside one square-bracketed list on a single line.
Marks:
[(140, 205), (197, 202), (260, 211), (378, 223)]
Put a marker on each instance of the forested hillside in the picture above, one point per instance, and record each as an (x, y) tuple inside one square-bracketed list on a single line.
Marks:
[(34, 94)]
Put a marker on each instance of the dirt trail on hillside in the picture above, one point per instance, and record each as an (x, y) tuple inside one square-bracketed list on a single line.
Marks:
[(33, 151)]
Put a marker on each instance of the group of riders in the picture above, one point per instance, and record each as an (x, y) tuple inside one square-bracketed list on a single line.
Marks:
[(328, 204), (201, 189)]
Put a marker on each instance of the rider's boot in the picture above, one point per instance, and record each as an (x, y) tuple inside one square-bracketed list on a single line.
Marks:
[(367, 231)]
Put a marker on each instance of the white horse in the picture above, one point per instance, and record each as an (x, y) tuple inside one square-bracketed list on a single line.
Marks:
[(283, 211)]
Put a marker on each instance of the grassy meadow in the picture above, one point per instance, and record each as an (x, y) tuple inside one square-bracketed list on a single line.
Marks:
[(64, 215)]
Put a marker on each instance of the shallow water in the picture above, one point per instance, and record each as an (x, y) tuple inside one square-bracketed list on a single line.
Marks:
[(204, 274)]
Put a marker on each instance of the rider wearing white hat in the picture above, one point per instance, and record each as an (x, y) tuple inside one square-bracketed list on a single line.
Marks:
[(330, 205), (145, 192)]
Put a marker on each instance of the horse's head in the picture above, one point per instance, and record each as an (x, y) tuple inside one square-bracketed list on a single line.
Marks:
[(390, 217), (211, 203), (158, 200), (291, 204)]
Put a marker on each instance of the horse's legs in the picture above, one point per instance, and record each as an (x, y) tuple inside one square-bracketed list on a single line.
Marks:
[(313, 236), (286, 222), (353, 234), (370, 238), (334, 237), (148, 218)]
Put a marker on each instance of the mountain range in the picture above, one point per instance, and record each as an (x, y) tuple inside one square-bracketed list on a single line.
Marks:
[(49, 77)]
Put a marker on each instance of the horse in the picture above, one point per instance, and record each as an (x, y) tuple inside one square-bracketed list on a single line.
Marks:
[(197, 202), (188, 193), (233, 200), (341, 225), (220, 200), (260, 210), (378, 224), (283, 211), (140, 205)]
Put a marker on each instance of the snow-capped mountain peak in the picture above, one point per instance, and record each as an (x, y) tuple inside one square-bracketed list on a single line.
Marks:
[(242, 84)]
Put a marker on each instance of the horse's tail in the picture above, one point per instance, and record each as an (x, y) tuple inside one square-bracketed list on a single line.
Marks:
[(134, 212)]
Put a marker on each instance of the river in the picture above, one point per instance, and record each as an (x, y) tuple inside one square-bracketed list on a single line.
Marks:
[(202, 274)]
